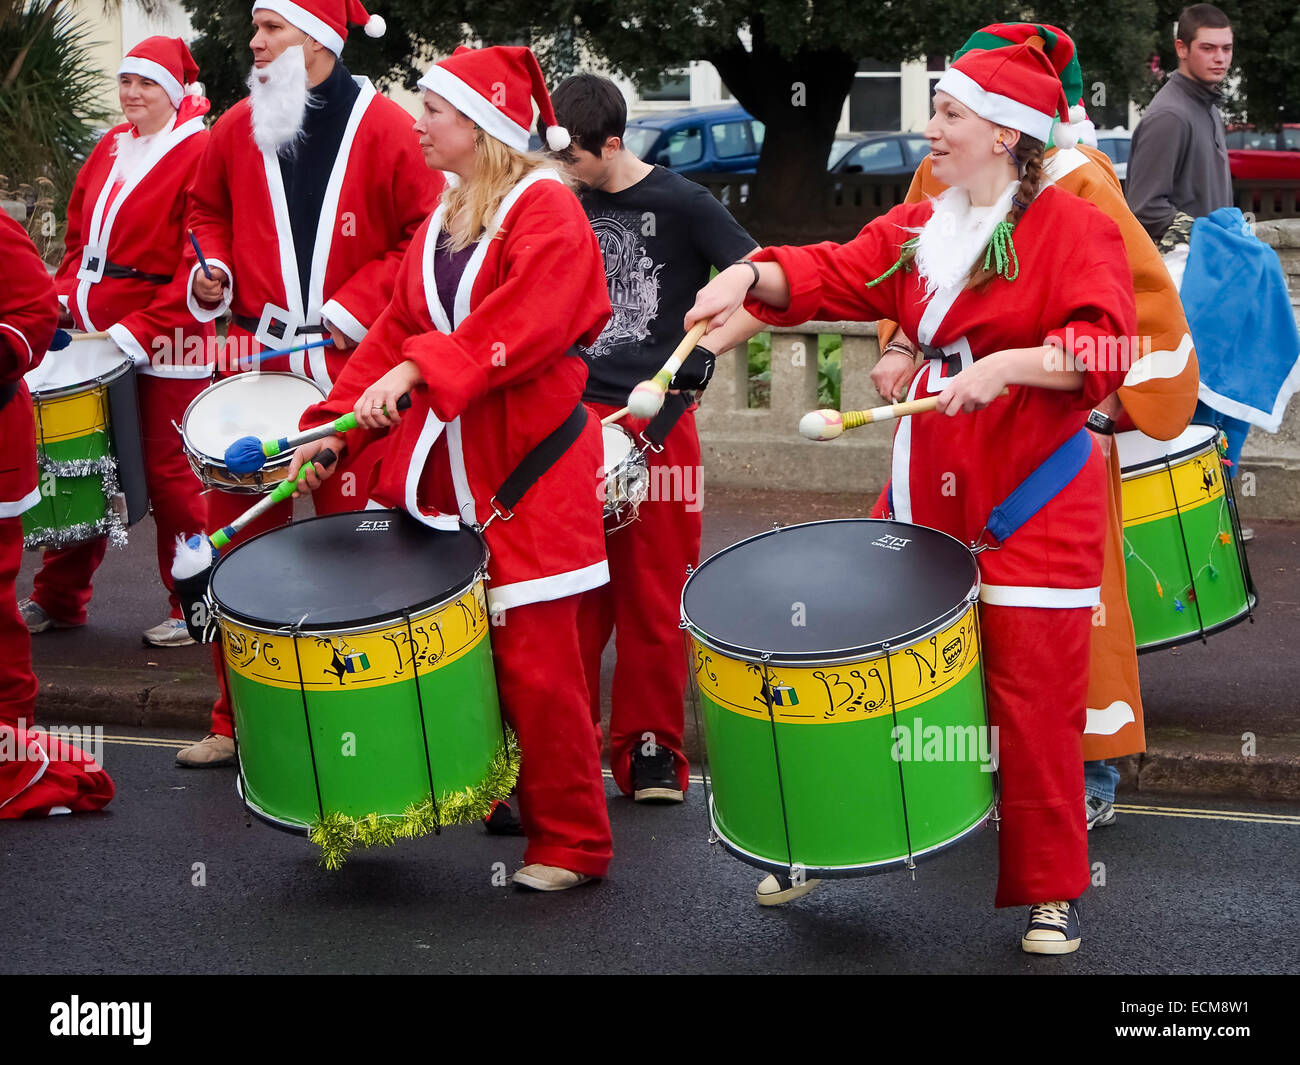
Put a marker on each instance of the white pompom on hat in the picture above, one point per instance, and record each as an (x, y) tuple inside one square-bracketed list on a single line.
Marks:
[(326, 21), (496, 87)]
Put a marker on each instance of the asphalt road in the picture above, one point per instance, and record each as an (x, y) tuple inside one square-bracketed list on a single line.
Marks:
[(1201, 891)]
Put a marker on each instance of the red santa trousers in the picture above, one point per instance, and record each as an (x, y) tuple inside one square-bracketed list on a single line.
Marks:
[(544, 699), (345, 490), (641, 604), (17, 681), (42, 775), (63, 585)]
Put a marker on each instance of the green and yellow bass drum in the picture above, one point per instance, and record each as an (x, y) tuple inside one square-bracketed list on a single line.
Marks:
[(361, 678), (841, 693), (1184, 562)]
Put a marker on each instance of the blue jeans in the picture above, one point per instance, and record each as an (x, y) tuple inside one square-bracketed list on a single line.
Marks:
[(1099, 780), (1234, 428)]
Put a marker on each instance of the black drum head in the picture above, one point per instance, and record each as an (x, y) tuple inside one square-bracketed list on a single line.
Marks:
[(344, 571), (829, 589)]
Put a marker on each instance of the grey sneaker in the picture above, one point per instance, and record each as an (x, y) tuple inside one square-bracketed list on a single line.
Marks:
[(170, 632), (1053, 929), (1099, 812), (1247, 535), (36, 620)]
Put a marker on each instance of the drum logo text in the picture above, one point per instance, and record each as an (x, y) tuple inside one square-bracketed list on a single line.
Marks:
[(375, 526), (894, 543)]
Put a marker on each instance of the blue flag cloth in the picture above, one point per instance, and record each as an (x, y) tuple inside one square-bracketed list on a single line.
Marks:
[(1239, 311)]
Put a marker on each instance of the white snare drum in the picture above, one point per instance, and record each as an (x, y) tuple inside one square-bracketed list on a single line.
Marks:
[(264, 405), (627, 477)]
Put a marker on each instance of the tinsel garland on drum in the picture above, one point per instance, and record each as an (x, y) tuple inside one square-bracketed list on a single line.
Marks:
[(337, 833), (112, 525)]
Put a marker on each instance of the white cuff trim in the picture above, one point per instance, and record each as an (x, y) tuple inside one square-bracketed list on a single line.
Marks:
[(1052, 598), (205, 314), (21, 506), (125, 339), (337, 315)]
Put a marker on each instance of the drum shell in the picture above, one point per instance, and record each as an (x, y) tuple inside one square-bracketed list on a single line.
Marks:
[(627, 479), (824, 765), (1177, 511)]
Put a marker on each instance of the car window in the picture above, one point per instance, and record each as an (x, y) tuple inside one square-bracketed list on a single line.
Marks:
[(640, 139), (1291, 139), (874, 157), (757, 131), (731, 139), (685, 146), (1115, 147), (917, 147)]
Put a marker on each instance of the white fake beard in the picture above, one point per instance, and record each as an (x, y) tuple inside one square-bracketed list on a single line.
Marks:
[(131, 150), (956, 235), (278, 94)]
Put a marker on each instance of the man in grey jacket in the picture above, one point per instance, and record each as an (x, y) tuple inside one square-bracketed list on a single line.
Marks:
[(1178, 162)]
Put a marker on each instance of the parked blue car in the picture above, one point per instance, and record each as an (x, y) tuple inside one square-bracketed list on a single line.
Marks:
[(720, 139)]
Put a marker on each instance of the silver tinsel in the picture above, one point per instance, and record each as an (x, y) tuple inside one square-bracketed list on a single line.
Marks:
[(110, 525)]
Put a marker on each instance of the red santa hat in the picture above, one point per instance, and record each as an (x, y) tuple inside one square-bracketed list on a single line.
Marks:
[(496, 87), (325, 21), (167, 61), (1016, 87)]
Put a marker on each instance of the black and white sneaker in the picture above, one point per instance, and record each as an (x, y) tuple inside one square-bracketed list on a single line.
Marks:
[(503, 821), (1053, 929), (654, 777), (1099, 812)]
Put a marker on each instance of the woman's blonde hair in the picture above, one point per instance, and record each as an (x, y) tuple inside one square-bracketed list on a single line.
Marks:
[(469, 206)]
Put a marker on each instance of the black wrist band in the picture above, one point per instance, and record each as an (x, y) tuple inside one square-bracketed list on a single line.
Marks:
[(753, 266)]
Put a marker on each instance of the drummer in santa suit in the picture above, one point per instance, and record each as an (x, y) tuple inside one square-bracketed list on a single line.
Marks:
[(497, 290), (1158, 397), (306, 199), (660, 234), (126, 270), (1012, 283)]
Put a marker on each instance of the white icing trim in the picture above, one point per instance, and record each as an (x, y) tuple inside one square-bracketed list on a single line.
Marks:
[(1110, 720), (125, 339), (147, 68), (343, 320), (20, 506), (203, 314), (429, 433), (1026, 595), (1161, 364), (545, 589), (304, 20), (459, 475), (284, 236), (27, 753), (996, 108), (1064, 161), (472, 104)]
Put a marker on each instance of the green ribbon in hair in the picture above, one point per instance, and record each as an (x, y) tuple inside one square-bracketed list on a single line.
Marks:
[(1001, 254)]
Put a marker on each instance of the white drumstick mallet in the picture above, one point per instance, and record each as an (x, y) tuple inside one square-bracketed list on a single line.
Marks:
[(828, 424), (648, 397)]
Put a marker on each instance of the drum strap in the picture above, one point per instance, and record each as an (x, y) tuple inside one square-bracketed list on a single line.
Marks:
[(540, 459), (7, 392), (669, 414), (1040, 487)]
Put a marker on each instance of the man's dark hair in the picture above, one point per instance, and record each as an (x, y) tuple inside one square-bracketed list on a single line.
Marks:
[(591, 108), (1200, 16)]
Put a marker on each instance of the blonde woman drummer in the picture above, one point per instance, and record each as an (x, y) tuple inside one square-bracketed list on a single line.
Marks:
[(1010, 280), (125, 270), (497, 288)]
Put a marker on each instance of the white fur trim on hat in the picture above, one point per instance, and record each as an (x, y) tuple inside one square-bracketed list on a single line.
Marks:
[(999, 109), (473, 104), (376, 26), (307, 22), (147, 68), (557, 138)]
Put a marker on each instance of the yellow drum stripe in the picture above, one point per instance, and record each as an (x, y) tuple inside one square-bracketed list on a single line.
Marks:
[(69, 417), (1197, 479), (834, 694), (369, 659)]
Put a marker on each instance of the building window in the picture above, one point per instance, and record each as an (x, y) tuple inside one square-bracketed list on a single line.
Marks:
[(876, 99), (673, 85)]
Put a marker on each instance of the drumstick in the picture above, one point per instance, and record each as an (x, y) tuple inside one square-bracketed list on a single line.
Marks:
[(828, 424), (248, 454), (266, 356), (191, 558), (199, 252), (648, 396), (87, 336), (610, 419)]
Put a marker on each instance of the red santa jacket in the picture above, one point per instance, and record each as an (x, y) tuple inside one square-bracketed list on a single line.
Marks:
[(378, 194), (141, 225), (29, 313), (1073, 288), (498, 377), (42, 775)]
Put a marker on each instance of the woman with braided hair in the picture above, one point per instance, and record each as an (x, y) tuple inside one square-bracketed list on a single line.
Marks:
[(1005, 283)]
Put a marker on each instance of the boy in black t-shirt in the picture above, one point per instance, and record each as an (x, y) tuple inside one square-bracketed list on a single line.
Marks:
[(660, 234)]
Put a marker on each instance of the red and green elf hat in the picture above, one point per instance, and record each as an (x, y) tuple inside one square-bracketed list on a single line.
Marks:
[(1016, 87), (1055, 44)]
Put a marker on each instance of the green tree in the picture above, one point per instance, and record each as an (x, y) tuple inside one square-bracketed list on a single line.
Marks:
[(789, 64)]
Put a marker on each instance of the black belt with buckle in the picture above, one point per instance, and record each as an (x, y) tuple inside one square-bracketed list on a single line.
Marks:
[(115, 270), (249, 325), (951, 359)]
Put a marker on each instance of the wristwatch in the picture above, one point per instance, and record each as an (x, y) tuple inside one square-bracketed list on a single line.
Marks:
[(1101, 423), (753, 266)]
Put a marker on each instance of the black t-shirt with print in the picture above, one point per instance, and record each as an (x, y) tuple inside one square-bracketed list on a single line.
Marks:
[(659, 238)]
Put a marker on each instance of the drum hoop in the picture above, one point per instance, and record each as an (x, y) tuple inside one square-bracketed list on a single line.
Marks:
[(1176, 459), (260, 625), (836, 655), (88, 385), (218, 462)]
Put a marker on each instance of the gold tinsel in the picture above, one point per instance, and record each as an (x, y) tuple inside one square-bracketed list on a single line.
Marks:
[(337, 833)]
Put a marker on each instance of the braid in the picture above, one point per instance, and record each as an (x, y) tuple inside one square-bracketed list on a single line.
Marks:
[(1029, 157)]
